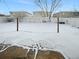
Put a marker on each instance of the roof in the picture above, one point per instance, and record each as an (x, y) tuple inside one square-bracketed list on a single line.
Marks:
[(20, 12), (67, 14), (2, 15)]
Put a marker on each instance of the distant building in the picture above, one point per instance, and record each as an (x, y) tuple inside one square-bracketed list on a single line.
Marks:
[(5, 18), (68, 17), (66, 14), (2, 15), (41, 14)]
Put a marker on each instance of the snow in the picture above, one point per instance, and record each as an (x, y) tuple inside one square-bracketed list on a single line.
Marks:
[(43, 34), (27, 51)]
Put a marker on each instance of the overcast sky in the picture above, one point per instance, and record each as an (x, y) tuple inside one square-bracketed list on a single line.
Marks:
[(29, 6)]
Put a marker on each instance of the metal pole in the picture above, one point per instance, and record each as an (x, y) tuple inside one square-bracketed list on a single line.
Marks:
[(17, 24), (57, 24)]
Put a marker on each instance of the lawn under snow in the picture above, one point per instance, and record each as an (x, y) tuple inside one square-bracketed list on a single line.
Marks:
[(44, 34)]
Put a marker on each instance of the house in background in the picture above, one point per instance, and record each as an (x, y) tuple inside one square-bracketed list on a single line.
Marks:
[(5, 18), (66, 14), (68, 17), (41, 13)]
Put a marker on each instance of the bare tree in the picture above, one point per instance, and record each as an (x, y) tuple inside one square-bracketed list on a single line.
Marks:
[(48, 6)]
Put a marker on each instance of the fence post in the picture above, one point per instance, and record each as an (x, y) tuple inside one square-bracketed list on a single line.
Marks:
[(57, 24), (17, 24)]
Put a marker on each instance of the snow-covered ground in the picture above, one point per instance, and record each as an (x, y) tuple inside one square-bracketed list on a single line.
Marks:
[(67, 41)]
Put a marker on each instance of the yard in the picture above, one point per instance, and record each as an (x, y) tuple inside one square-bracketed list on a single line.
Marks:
[(67, 41)]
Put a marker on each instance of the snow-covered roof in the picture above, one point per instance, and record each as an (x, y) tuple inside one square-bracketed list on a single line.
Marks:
[(67, 14), (20, 13)]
